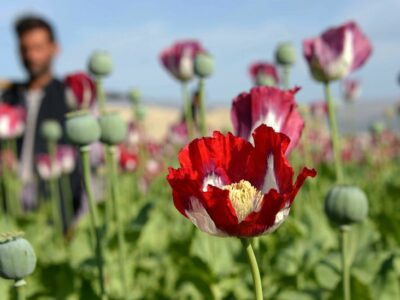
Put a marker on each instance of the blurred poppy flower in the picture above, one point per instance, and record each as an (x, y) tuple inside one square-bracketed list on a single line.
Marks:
[(135, 136), (263, 73), (12, 121), (128, 160), (351, 89), (66, 156), (319, 109), (337, 52), (80, 90), (177, 134), (178, 59), (228, 187), (47, 168), (270, 106)]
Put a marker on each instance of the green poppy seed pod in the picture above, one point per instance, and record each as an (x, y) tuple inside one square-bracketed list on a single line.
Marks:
[(17, 257), (51, 130), (134, 95), (113, 129), (203, 65), (346, 204), (265, 80), (82, 128), (100, 63), (285, 54), (377, 128)]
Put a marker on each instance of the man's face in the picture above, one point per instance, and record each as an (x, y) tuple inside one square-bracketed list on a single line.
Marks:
[(37, 51)]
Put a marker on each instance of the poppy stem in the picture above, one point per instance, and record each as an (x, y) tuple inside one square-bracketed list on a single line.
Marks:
[(54, 190), (115, 196), (93, 218), (335, 139), (187, 110), (286, 76), (255, 272), (202, 109), (19, 289), (100, 94), (345, 263), (68, 199)]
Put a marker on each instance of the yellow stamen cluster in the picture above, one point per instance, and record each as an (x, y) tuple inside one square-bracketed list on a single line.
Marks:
[(244, 198)]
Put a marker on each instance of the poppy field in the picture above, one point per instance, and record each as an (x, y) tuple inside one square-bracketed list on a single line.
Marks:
[(278, 205)]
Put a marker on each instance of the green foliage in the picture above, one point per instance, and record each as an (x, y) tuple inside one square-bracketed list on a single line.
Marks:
[(170, 259)]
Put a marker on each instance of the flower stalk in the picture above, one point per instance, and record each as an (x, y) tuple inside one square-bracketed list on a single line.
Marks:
[(335, 138), (344, 232), (187, 110), (115, 196), (286, 76), (54, 190), (93, 218), (202, 109), (255, 272), (101, 96)]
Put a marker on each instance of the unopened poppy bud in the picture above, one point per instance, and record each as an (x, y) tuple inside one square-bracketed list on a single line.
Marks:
[(134, 95), (17, 257), (51, 130), (377, 128), (345, 204), (113, 129), (203, 65), (285, 54), (265, 80), (100, 63), (82, 128)]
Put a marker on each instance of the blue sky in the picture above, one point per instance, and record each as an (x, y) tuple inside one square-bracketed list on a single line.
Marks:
[(235, 32)]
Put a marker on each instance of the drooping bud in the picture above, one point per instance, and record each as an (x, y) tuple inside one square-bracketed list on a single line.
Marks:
[(113, 129), (203, 65), (285, 54), (17, 257), (82, 128), (51, 130), (345, 204), (100, 63)]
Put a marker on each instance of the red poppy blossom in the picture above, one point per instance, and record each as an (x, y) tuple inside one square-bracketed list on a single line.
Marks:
[(80, 90), (128, 160), (228, 187), (337, 52), (179, 59), (270, 106), (264, 73), (12, 121)]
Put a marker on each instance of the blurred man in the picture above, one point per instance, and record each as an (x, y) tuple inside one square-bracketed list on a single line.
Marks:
[(42, 95)]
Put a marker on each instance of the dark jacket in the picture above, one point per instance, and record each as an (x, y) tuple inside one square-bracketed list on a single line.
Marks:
[(53, 106)]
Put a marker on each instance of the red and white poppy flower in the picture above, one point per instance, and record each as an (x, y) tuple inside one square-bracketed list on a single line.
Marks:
[(128, 160), (179, 59), (66, 155), (337, 52), (264, 73), (12, 121), (80, 91), (270, 106), (228, 187), (48, 168)]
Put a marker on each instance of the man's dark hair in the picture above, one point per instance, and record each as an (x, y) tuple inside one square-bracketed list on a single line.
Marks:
[(28, 23)]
